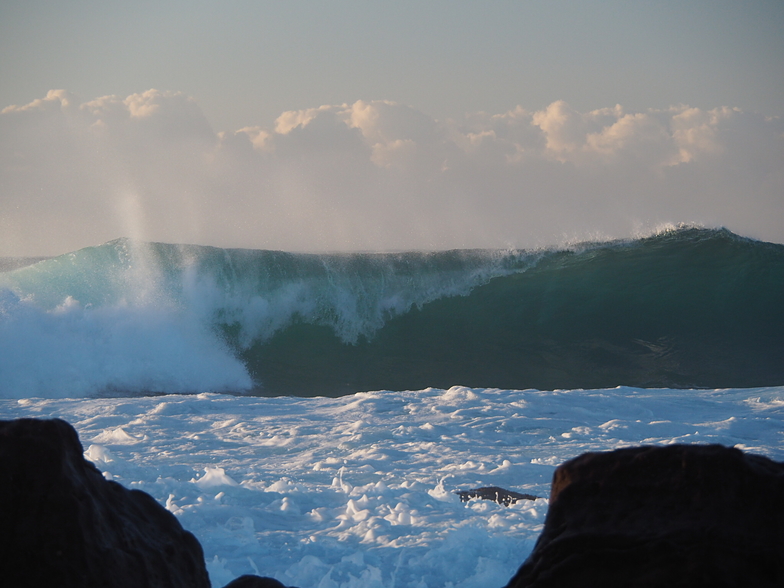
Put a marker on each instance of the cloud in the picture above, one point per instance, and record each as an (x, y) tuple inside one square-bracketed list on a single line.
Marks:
[(55, 99), (376, 175), (696, 132)]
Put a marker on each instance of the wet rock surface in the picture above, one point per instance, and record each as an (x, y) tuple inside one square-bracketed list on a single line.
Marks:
[(62, 524), (494, 493), (680, 515)]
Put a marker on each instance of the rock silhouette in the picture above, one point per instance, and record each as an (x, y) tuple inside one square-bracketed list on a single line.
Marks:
[(62, 524), (251, 581), (680, 515)]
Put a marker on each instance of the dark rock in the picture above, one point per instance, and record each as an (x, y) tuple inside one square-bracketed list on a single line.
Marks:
[(251, 581), (62, 524), (681, 515), (494, 493)]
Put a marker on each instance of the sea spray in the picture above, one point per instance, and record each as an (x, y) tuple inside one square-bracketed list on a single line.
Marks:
[(106, 320)]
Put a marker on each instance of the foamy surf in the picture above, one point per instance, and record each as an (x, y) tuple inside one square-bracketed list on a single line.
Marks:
[(75, 350), (359, 491)]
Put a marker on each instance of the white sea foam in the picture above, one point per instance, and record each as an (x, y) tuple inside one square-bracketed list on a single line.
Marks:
[(77, 350), (358, 491)]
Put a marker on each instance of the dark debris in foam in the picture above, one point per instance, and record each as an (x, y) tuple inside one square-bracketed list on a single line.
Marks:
[(496, 494)]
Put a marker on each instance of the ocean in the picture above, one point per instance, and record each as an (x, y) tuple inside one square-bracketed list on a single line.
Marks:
[(311, 416), (686, 307)]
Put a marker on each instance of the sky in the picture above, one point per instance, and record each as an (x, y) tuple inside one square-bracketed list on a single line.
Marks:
[(368, 125)]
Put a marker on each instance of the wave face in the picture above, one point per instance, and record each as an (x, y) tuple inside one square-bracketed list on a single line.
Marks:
[(688, 307)]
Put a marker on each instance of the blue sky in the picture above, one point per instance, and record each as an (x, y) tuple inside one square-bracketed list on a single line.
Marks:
[(378, 125)]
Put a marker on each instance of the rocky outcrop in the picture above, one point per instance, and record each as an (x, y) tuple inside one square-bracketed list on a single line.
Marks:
[(681, 515), (251, 581), (494, 493), (62, 524)]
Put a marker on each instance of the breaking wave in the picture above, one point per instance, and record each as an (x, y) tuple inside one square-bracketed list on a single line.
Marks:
[(686, 307)]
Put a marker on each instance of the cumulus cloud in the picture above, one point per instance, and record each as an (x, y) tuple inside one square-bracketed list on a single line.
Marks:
[(376, 175)]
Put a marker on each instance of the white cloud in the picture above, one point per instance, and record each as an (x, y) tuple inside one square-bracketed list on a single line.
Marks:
[(292, 119), (606, 136), (696, 131), (564, 129), (145, 104), (376, 175), (635, 136), (54, 99), (260, 138)]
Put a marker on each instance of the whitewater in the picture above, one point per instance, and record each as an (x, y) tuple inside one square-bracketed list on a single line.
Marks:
[(312, 417), (359, 491)]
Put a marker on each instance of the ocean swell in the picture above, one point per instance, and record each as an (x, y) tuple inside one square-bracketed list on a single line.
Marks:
[(687, 307)]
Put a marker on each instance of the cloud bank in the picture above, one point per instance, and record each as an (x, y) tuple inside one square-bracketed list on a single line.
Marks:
[(376, 175)]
